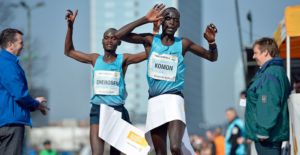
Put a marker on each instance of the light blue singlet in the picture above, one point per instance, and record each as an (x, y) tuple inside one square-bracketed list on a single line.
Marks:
[(241, 147), (161, 66), (109, 83)]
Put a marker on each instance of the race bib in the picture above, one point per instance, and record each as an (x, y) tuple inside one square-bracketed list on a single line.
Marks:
[(163, 67), (106, 82)]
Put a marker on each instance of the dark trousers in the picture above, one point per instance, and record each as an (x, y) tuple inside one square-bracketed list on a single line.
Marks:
[(268, 148), (11, 139)]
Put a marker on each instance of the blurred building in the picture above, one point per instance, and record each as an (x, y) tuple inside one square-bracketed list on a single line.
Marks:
[(117, 13), (191, 26)]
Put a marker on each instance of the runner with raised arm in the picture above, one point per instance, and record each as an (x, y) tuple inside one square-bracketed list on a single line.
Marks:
[(108, 78), (166, 74)]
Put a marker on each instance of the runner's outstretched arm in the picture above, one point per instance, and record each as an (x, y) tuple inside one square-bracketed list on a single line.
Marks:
[(124, 33), (153, 15), (134, 58), (139, 57), (209, 35)]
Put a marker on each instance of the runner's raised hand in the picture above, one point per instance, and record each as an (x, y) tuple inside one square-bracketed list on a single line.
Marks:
[(71, 17), (210, 33), (155, 13)]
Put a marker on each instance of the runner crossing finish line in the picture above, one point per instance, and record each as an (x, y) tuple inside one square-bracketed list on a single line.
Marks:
[(165, 75), (109, 90)]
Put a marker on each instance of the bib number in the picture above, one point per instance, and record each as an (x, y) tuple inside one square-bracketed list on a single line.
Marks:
[(163, 67), (106, 82)]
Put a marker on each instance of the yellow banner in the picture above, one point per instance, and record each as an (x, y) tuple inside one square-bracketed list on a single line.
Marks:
[(292, 16), (137, 139)]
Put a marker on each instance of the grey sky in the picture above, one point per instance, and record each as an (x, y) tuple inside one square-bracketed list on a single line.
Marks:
[(67, 99)]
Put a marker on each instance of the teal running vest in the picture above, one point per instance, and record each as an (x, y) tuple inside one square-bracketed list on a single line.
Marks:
[(241, 150), (108, 82), (165, 71)]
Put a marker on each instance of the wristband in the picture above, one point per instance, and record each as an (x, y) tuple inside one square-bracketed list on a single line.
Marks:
[(210, 43), (213, 47), (155, 32)]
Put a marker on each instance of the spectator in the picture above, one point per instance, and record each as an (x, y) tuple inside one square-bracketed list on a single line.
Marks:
[(296, 87), (47, 149), (235, 134), (219, 141), (211, 144), (15, 101), (267, 120), (196, 142), (205, 149)]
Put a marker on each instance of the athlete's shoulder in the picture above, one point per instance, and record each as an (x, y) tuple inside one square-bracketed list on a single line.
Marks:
[(94, 57), (95, 54), (156, 37), (125, 55), (186, 40)]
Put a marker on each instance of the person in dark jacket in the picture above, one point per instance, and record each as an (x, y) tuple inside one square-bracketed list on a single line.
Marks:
[(266, 117), (15, 101)]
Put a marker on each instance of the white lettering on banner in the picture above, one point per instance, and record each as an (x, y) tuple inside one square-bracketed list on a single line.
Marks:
[(162, 67), (106, 82)]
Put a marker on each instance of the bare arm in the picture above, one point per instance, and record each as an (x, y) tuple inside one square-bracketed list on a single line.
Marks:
[(125, 34), (134, 58), (142, 38), (211, 55), (156, 26), (209, 35), (69, 47)]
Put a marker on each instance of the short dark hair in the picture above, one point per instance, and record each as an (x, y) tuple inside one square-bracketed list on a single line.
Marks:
[(170, 9), (109, 29), (267, 44), (244, 92), (46, 142), (8, 35)]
